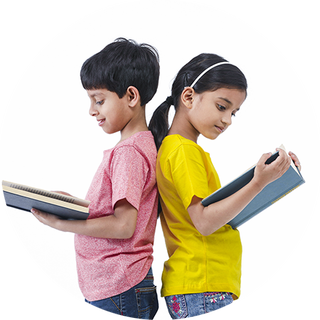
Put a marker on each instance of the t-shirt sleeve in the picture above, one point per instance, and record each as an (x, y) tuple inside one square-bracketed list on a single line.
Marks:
[(128, 173), (189, 174)]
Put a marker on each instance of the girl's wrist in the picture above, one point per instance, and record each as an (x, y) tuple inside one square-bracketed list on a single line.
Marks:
[(257, 185)]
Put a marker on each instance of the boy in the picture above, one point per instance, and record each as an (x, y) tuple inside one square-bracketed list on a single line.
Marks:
[(114, 245)]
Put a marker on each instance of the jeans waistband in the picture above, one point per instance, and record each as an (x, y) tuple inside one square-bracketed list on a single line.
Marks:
[(149, 276)]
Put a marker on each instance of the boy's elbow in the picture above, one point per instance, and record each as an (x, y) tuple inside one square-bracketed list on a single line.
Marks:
[(127, 234), (127, 230)]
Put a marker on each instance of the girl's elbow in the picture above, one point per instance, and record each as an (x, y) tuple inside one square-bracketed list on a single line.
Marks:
[(206, 229), (205, 233)]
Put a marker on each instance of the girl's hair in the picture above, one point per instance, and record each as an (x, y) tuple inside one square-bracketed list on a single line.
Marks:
[(121, 64), (222, 76)]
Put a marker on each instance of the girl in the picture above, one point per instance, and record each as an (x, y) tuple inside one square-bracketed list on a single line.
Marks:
[(204, 267)]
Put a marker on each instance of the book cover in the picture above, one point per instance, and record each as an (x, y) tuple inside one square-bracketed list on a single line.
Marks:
[(273, 192), (25, 198)]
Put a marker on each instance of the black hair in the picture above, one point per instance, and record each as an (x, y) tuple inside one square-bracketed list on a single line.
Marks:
[(222, 76), (121, 64)]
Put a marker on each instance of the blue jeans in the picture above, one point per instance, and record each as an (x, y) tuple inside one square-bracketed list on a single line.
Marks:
[(141, 301), (189, 305)]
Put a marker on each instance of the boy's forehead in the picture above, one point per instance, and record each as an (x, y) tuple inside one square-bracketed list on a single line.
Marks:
[(96, 92)]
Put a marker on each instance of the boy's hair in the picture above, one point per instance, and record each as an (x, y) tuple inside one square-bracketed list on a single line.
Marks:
[(121, 64), (223, 76)]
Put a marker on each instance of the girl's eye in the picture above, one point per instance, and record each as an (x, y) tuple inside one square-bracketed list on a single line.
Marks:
[(221, 108)]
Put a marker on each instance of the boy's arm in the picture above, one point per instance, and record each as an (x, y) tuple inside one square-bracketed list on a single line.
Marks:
[(120, 225)]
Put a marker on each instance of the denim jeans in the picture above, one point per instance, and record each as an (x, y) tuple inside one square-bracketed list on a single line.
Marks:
[(189, 305), (141, 301)]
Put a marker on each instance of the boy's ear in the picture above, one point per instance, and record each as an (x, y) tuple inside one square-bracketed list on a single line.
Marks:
[(187, 96), (133, 96)]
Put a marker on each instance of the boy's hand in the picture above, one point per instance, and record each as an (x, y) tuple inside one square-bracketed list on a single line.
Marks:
[(62, 192), (47, 219), (267, 173), (295, 160)]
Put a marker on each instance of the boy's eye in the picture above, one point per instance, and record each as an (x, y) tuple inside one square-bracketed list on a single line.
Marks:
[(100, 102)]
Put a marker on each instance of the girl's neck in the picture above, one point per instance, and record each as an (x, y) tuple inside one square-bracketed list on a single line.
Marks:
[(183, 128)]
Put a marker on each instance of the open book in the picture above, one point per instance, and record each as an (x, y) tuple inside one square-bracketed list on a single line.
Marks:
[(273, 192), (25, 198)]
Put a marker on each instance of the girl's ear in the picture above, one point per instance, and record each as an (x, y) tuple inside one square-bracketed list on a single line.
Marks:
[(187, 96), (133, 96)]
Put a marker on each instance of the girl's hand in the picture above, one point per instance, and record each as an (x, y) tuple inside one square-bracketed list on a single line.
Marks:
[(267, 173), (295, 160)]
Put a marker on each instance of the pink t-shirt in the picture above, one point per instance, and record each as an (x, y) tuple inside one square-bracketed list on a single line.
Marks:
[(107, 267)]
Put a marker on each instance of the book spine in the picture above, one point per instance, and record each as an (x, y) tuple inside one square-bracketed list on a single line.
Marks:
[(286, 193), (238, 221)]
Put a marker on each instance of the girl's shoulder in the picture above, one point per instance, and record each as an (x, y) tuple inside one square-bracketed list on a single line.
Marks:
[(176, 141), (177, 147)]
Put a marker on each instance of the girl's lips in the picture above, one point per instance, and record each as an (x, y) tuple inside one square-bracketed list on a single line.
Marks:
[(220, 129)]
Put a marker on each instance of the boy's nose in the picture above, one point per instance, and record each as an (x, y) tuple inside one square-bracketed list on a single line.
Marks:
[(93, 111)]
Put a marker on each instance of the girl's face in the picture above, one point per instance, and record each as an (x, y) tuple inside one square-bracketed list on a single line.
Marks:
[(211, 112)]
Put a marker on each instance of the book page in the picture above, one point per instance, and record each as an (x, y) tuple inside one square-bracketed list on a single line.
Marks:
[(45, 193)]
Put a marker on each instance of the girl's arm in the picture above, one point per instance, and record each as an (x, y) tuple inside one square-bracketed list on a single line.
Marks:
[(209, 219), (120, 225)]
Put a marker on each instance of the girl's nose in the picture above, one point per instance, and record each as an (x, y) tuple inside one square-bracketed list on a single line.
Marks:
[(227, 120)]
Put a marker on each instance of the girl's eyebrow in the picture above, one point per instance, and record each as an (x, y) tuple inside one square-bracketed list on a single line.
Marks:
[(226, 100), (229, 102)]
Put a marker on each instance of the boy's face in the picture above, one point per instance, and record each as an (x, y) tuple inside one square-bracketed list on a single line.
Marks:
[(111, 112)]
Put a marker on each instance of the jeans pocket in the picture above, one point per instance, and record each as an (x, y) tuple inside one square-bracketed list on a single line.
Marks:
[(177, 306), (147, 301), (218, 304)]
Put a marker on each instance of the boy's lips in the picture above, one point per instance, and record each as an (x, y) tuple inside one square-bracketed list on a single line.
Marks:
[(101, 121)]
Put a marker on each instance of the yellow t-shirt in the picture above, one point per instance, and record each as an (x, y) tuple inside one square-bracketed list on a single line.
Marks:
[(196, 263)]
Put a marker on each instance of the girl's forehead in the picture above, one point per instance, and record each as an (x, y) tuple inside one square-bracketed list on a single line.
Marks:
[(231, 96)]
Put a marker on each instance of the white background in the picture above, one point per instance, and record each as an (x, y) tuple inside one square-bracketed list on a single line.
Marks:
[(49, 141)]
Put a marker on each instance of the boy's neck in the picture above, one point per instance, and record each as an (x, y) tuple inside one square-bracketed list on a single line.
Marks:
[(136, 124)]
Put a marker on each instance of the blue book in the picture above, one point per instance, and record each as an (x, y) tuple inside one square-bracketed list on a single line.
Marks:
[(25, 198), (273, 192)]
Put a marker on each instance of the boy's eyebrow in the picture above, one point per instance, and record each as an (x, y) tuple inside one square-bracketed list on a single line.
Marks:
[(94, 94)]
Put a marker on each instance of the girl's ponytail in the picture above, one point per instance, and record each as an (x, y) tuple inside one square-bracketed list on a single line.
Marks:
[(159, 123)]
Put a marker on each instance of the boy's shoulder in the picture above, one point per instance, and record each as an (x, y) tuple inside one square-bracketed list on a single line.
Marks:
[(142, 141)]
